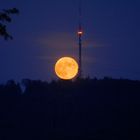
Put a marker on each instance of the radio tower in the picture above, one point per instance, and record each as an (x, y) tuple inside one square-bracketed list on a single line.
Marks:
[(80, 33)]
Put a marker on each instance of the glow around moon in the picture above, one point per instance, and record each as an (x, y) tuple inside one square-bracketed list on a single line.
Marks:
[(66, 68)]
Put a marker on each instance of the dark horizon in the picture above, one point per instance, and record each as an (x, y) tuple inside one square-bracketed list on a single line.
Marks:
[(82, 110)]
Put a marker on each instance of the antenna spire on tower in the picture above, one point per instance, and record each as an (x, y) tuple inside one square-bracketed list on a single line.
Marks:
[(80, 33)]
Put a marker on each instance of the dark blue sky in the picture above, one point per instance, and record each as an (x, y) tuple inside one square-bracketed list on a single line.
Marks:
[(45, 30)]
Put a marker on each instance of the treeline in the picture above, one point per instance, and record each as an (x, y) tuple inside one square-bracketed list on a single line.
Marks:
[(27, 86), (106, 109)]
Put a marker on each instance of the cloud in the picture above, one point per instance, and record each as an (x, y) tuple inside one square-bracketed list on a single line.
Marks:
[(54, 45), (64, 40), (58, 40)]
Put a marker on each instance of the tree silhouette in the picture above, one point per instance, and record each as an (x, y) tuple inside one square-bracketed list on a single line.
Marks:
[(5, 17)]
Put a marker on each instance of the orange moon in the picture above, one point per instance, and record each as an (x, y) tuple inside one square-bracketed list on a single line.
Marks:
[(66, 68)]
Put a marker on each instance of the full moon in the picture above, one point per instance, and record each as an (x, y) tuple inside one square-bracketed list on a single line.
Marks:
[(66, 68)]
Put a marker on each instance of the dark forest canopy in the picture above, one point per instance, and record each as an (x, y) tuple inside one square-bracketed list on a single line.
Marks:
[(61, 85), (83, 109), (5, 17)]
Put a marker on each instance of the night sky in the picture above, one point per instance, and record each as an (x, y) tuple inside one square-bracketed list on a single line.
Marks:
[(45, 30)]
